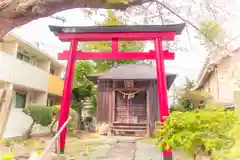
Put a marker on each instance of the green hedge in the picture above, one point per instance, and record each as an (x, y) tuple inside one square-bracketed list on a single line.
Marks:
[(42, 115)]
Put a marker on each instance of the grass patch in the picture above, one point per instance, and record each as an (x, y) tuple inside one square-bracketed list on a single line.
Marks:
[(27, 143), (76, 147)]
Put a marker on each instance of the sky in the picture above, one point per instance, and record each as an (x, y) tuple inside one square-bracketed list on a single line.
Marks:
[(187, 62)]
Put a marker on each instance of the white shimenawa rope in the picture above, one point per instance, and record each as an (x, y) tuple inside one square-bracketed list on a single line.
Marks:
[(129, 95)]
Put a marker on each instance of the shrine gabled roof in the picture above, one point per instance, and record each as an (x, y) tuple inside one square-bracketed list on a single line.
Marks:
[(177, 28), (133, 72)]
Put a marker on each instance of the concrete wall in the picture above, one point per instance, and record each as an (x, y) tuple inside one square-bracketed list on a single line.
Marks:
[(3, 84), (222, 82), (211, 86), (41, 98), (35, 97), (29, 78), (14, 129), (19, 72), (44, 65), (19, 122), (10, 47)]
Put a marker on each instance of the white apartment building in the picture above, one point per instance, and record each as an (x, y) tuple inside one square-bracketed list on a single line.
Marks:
[(34, 77)]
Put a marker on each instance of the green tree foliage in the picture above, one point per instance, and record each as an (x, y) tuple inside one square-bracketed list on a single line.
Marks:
[(84, 68), (192, 100), (211, 33), (40, 115), (79, 94), (56, 111), (189, 85), (118, 1), (84, 87), (94, 104), (208, 131), (189, 99), (105, 46)]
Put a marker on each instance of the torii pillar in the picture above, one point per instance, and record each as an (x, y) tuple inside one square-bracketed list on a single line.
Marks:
[(156, 33)]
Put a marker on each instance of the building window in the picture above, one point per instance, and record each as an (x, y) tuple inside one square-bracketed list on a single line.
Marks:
[(23, 57), (50, 102), (52, 72), (20, 100)]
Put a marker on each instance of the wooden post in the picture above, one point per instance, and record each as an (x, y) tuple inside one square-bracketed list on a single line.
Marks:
[(67, 92), (148, 112), (5, 108), (162, 89), (109, 100), (114, 102)]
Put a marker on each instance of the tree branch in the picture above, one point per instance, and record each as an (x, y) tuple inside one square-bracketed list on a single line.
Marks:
[(4, 4), (191, 24), (176, 14), (14, 13), (230, 13), (210, 9)]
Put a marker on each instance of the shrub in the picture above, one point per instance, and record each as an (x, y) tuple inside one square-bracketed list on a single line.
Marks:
[(8, 156), (206, 131), (8, 142), (177, 107), (40, 115), (191, 100), (56, 110)]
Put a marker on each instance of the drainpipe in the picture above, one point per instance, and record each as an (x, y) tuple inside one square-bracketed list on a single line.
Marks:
[(216, 69)]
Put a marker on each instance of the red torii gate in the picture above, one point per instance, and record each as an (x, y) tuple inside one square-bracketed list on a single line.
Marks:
[(157, 33)]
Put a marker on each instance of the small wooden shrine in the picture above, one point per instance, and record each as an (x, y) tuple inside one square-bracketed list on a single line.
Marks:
[(128, 98), (142, 86)]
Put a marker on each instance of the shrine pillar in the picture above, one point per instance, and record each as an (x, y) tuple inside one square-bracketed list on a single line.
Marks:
[(67, 92), (162, 88)]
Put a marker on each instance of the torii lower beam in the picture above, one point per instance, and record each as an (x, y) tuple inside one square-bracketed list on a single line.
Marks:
[(116, 55)]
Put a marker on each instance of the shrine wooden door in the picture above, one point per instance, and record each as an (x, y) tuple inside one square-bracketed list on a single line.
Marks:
[(131, 109)]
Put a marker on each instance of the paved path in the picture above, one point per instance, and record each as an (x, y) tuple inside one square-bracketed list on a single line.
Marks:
[(124, 148)]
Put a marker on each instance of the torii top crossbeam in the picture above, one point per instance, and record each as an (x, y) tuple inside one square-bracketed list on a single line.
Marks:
[(96, 33), (114, 34), (156, 33)]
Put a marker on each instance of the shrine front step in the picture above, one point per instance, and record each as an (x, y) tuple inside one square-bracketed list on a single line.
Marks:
[(130, 132)]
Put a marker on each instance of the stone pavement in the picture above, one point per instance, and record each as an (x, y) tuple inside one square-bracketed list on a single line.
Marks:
[(124, 148)]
